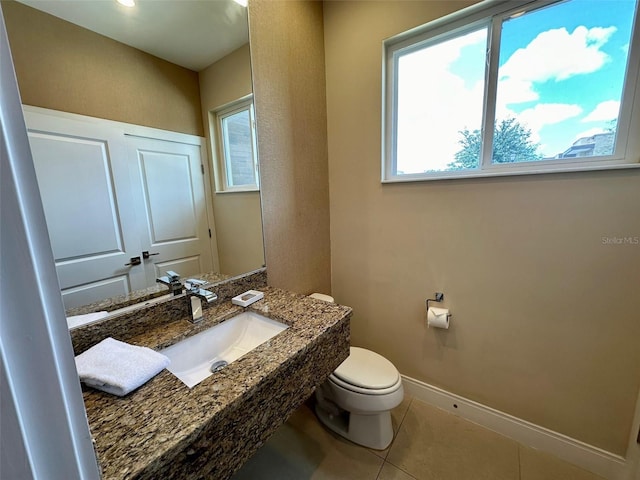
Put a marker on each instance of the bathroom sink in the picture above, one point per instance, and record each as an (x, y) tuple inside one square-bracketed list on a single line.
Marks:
[(194, 358)]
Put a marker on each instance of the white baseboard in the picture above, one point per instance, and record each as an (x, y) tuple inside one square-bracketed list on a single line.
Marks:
[(588, 457)]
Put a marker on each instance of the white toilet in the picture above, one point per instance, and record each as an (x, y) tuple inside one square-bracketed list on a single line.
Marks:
[(357, 398)]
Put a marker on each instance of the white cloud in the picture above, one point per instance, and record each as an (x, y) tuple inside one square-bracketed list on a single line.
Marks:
[(514, 90), (435, 104), (549, 113), (604, 111), (556, 54), (546, 114), (553, 55), (450, 51), (442, 55), (589, 133)]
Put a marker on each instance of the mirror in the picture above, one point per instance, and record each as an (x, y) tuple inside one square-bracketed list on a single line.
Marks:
[(143, 66)]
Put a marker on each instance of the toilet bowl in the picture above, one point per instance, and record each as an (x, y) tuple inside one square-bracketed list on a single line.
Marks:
[(356, 400)]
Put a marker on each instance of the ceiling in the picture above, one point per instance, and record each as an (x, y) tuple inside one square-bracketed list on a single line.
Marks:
[(189, 33)]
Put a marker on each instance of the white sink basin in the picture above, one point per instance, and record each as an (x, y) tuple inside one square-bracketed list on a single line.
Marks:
[(193, 357)]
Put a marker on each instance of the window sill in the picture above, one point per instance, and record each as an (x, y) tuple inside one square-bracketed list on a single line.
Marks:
[(239, 190), (455, 175)]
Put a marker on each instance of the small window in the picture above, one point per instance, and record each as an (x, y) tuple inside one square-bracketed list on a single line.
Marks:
[(523, 87), (237, 165)]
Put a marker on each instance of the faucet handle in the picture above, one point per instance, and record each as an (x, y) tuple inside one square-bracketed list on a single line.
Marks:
[(172, 280), (193, 284), (173, 276)]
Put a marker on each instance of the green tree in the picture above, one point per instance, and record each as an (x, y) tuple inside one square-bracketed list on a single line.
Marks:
[(511, 143), (612, 125)]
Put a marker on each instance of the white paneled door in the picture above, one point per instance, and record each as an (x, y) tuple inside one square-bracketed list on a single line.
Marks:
[(85, 185), (172, 201), (120, 209)]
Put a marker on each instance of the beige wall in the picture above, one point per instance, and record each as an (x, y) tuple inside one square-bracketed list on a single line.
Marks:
[(237, 215), (545, 317), (288, 65), (65, 67)]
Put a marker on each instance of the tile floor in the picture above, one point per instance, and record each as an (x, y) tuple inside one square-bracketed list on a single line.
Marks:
[(430, 444)]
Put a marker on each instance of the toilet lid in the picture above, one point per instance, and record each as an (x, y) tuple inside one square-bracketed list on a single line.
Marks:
[(366, 369)]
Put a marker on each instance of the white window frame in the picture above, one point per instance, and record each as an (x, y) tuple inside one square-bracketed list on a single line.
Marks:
[(491, 14), (220, 167)]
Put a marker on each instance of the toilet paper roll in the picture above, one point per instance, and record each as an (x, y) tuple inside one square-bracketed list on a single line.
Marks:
[(438, 317)]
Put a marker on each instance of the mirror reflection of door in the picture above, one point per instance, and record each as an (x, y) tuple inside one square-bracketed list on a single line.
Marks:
[(81, 188), (64, 65), (113, 201), (170, 192)]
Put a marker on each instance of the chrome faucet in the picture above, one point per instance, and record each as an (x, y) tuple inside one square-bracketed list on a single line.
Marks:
[(171, 280), (195, 295)]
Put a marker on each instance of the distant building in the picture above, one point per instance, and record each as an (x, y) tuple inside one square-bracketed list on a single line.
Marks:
[(592, 146)]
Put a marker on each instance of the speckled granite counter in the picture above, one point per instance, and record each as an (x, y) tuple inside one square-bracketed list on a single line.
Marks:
[(166, 430), (131, 324)]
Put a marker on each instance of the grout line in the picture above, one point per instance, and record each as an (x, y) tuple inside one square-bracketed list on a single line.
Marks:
[(380, 470), (405, 412), (416, 478), (401, 469), (395, 435), (394, 441), (519, 461)]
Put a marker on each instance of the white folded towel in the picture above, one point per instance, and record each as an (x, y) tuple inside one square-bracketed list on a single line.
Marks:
[(77, 320), (117, 367)]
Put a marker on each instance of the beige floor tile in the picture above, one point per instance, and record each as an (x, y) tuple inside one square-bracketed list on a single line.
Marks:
[(303, 449), (435, 445), (389, 472), (397, 416), (537, 465)]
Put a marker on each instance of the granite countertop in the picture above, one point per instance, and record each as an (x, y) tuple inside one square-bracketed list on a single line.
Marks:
[(140, 434)]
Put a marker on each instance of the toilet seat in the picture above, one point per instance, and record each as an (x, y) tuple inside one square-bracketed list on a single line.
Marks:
[(366, 372), (365, 391)]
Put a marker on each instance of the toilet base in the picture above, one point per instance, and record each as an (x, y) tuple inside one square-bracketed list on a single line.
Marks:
[(372, 431)]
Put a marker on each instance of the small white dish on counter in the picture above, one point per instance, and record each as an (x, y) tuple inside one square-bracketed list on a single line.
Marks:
[(247, 298)]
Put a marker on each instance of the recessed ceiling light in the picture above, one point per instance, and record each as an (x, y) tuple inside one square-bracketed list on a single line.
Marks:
[(242, 2), (127, 3)]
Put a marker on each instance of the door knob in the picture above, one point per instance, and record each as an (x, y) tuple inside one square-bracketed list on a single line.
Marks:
[(146, 254), (133, 261)]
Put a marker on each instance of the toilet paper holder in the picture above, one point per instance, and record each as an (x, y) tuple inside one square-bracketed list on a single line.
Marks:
[(439, 298)]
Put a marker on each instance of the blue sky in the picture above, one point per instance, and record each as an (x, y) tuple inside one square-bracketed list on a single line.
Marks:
[(587, 89), (561, 74)]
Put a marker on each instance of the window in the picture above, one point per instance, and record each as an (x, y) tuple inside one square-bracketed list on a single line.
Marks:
[(237, 165), (512, 88)]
